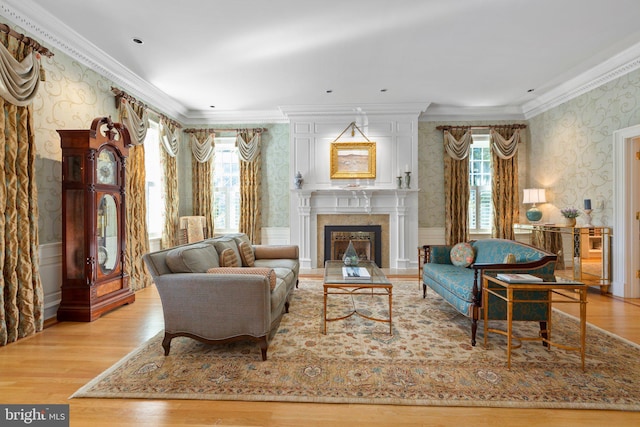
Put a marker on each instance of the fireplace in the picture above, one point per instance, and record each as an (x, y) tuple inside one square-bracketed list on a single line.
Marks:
[(366, 240)]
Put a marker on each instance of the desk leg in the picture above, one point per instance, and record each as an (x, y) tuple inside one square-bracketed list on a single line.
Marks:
[(583, 324), (324, 311), (390, 316), (509, 325), (485, 308)]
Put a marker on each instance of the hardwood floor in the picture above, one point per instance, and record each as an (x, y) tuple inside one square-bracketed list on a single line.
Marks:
[(48, 367)]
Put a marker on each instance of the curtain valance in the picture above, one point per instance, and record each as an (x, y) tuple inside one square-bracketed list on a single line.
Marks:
[(137, 124), (505, 148), (169, 138), (248, 151), (19, 80), (202, 151), (457, 149)]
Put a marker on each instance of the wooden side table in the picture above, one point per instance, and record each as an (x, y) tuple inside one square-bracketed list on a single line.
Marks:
[(558, 290)]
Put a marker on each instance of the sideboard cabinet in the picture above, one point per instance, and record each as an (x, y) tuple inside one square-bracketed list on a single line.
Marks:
[(584, 253)]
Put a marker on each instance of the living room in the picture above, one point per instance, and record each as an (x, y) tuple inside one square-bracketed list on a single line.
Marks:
[(578, 138)]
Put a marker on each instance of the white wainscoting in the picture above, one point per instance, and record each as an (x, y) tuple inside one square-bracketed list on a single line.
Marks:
[(51, 277)]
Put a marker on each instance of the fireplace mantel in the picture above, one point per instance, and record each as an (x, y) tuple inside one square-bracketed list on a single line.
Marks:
[(400, 205)]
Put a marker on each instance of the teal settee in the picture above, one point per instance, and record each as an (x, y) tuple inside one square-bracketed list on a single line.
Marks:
[(462, 286)]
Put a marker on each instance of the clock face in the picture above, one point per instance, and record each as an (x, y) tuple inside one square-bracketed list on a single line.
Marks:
[(106, 168)]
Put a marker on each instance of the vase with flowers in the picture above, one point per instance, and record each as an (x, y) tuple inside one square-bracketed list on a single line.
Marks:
[(570, 215)]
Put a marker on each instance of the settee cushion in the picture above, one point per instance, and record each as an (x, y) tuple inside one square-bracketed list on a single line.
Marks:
[(268, 272), (193, 258), (246, 254), (222, 243), (228, 258), (462, 254)]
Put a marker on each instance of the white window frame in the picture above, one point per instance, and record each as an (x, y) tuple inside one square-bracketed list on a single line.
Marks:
[(480, 141), (224, 143), (154, 177)]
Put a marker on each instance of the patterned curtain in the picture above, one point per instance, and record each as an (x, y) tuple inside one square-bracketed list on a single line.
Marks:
[(168, 154), (202, 150), (250, 184), (456, 184), (21, 293), (134, 117), (504, 185)]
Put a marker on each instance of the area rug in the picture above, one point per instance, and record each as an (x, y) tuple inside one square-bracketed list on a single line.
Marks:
[(427, 361)]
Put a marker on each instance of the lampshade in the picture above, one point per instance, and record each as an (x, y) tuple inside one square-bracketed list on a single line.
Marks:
[(534, 195)]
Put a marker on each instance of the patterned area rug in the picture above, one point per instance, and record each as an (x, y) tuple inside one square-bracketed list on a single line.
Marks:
[(427, 361)]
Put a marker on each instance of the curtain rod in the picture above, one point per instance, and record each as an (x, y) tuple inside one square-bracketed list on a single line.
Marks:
[(4, 28), (512, 126), (193, 130), (119, 93)]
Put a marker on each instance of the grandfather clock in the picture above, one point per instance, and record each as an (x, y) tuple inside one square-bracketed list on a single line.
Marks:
[(94, 280)]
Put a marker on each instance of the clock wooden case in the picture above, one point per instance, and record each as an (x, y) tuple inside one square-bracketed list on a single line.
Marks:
[(94, 280)]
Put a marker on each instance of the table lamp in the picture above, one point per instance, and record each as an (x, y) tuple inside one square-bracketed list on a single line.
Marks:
[(533, 196)]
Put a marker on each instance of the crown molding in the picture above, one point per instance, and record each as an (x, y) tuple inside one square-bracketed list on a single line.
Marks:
[(38, 22), (410, 108), (196, 117), (611, 69), (437, 112)]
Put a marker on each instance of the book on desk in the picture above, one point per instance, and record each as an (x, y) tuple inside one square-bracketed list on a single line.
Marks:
[(518, 278), (356, 274)]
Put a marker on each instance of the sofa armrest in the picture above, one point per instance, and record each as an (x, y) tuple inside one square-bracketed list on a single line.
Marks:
[(236, 303), (437, 254), (276, 251)]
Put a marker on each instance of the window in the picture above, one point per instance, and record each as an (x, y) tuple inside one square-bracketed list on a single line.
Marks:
[(226, 184), (480, 204), (154, 182)]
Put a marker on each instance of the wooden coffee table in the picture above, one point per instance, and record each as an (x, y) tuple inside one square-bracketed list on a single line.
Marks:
[(336, 284)]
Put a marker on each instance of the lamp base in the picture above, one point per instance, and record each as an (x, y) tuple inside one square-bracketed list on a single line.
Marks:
[(534, 214)]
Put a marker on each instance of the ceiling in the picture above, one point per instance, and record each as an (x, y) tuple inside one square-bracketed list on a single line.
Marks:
[(215, 60)]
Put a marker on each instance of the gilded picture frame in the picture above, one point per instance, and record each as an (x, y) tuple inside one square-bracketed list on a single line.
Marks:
[(353, 160)]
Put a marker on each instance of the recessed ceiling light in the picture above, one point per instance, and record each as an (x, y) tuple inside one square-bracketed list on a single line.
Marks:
[(329, 90), (212, 106), (530, 90), (136, 40), (383, 90)]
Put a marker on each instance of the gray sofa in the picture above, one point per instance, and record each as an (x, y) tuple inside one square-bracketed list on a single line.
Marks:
[(208, 297)]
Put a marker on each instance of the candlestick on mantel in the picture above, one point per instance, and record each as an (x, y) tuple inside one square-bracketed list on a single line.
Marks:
[(406, 168), (587, 204)]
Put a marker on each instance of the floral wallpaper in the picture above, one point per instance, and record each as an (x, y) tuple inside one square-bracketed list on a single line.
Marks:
[(572, 149), (70, 98)]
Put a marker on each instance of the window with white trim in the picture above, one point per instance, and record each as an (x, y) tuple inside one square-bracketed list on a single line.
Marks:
[(226, 184), (154, 185), (480, 173)]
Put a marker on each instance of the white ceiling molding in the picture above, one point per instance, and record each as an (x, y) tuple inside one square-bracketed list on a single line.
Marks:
[(364, 109), (439, 113), (236, 117), (615, 67), (37, 22)]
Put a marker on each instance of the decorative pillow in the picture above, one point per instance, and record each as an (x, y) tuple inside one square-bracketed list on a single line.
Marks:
[(222, 243), (193, 258), (462, 254), (269, 272), (228, 258), (246, 254), (510, 259)]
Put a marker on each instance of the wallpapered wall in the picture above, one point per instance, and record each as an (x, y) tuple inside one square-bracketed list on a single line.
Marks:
[(70, 98), (572, 149)]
